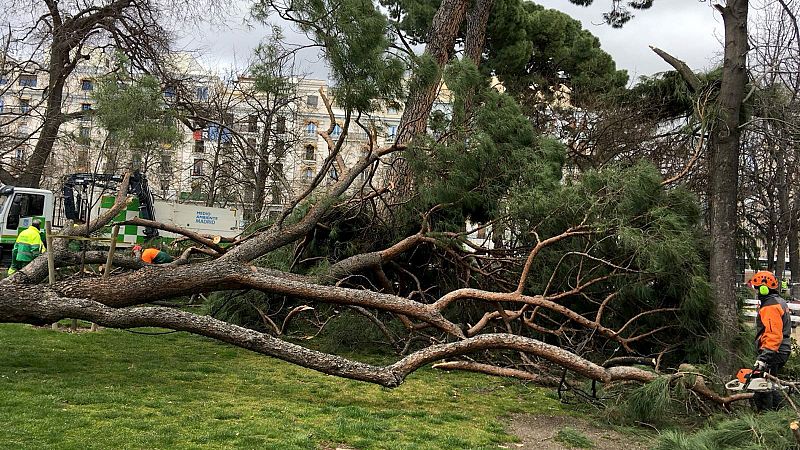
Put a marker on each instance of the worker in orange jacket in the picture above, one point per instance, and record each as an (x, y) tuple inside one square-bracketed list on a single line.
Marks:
[(152, 255), (773, 335)]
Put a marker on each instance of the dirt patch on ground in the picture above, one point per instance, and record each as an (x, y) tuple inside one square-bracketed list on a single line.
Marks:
[(540, 431)]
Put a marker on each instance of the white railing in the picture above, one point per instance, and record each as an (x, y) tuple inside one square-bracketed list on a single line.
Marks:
[(751, 310)]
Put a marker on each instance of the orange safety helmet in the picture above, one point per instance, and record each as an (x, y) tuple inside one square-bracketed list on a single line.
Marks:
[(764, 278)]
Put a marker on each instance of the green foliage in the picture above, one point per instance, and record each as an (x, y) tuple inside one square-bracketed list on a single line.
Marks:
[(528, 45), (650, 403), (744, 432), (493, 166), (270, 64), (239, 308), (653, 232), (573, 438), (667, 95), (132, 110), (352, 35), (350, 332), (477, 174)]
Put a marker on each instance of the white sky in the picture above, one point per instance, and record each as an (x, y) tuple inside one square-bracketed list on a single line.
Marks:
[(688, 29)]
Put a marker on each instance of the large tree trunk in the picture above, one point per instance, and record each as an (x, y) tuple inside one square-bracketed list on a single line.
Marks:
[(31, 174), (263, 169), (475, 39), (724, 179), (441, 39), (424, 88), (784, 214)]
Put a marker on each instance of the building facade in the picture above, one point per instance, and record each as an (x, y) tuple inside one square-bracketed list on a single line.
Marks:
[(235, 141)]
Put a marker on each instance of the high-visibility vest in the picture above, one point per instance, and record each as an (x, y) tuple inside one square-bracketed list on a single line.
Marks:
[(29, 244), (155, 256)]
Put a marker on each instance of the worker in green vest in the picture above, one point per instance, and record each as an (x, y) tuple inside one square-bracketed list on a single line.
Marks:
[(27, 247)]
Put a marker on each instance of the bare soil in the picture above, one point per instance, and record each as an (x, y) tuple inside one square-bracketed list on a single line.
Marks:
[(539, 432)]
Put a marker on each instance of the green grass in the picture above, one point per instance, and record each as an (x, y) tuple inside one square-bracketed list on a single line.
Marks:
[(573, 438), (114, 389)]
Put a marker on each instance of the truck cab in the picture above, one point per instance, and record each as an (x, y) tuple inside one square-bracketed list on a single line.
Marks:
[(18, 207)]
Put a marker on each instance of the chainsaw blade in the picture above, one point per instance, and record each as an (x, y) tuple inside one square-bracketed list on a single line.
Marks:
[(753, 385)]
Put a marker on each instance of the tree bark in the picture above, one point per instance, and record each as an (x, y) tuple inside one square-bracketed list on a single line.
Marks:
[(724, 179), (31, 175), (441, 39)]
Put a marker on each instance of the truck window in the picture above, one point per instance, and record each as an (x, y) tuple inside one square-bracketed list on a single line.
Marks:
[(3, 199), (24, 205), (31, 205)]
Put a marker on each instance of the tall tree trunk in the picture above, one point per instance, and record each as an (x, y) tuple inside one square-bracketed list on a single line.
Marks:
[(724, 179), (441, 39), (263, 170), (31, 174), (475, 39), (213, 179), (784, 215), (423, 91)]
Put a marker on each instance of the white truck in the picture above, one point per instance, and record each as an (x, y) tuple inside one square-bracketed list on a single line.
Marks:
[(86, 196)]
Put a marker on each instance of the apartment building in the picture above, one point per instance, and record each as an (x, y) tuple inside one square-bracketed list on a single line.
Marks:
[(221, 147)]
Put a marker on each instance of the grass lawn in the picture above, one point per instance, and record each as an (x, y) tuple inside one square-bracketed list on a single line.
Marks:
[(114, 389)]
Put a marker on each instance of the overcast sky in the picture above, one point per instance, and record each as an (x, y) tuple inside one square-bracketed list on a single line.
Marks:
[(689, 29)]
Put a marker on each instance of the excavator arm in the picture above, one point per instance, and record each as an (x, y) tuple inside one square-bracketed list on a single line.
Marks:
[(78, 192)]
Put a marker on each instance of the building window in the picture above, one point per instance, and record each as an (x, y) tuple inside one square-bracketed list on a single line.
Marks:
[(199, 146), (2, 104), (312, 100), (3, 80), (169, 91), (251, 143), (392, 110), (27, 80), (309, 154), (24, 105), (165, 185), (333, 174), (481, 233), (308, 175), (85, 132), (311, 129), (202, 93), (391, 133), (87, 85), (252, 123), (337, 130), (227, 118), (86, 107), (280, 126), (197, 168)]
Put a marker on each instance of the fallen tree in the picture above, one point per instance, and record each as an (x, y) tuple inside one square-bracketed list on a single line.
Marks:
[(570, 272)]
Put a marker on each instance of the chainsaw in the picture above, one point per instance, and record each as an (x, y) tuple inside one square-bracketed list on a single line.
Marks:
[(752, 381)]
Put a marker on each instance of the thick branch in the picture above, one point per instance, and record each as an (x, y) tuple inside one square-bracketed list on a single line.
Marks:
[(681, 67), (200, 239)]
